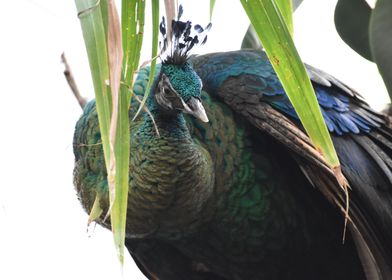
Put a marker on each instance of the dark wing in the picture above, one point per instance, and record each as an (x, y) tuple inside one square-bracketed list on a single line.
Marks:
[(159, 260), (246, 82)]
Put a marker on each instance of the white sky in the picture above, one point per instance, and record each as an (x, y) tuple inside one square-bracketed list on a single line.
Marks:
[(42, 226)]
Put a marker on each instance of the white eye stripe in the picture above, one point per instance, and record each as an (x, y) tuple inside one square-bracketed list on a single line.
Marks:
[(201, 83)]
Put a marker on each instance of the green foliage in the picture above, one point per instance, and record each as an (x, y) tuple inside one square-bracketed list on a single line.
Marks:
[(107, 53), (92, 21), (286, 10), (251, 40), (381, 40), (154, 52), (353, 28), (276, 39), (212, 4), (367, 31)]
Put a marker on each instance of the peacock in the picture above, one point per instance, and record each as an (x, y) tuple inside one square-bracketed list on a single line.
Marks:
[(225, 184)]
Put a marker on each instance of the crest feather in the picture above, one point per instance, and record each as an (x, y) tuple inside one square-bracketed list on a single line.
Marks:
[(182, 41)]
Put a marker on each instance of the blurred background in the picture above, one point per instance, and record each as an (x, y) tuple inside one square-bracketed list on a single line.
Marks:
[(43, 228)]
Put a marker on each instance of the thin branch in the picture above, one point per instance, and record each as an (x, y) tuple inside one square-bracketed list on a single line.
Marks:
[(71, 82), (149, 113), (145, 109)]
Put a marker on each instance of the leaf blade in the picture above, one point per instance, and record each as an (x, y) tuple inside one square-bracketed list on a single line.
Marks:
[(355, 31), (92, 23), (118, 187), (285, 59), (286, 9), (381, 41), (212, 5), (154, 53)]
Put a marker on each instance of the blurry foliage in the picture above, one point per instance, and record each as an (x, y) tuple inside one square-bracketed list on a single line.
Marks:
[(368, 31)]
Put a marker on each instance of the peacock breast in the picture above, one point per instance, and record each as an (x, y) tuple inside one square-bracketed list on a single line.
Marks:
[(171, 182)]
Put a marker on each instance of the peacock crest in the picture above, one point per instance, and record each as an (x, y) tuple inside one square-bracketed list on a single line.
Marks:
[(180, 40)]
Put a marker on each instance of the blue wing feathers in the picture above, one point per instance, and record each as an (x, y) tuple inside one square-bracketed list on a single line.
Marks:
[(342, 110)]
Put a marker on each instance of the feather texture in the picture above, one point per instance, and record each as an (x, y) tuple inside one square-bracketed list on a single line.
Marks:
[(246, 196)]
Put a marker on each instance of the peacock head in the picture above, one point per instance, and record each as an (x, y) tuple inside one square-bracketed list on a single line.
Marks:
[(179, 87)]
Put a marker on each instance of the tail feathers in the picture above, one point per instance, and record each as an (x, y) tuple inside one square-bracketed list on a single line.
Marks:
[(370, 266), (379, 157), (367, 164)]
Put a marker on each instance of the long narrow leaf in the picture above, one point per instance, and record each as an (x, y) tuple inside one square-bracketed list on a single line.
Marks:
[(105, 19), (212, 5), (92, 22), (286, 10), (251, 39), (276, 39), (117, 175), (279, 46), (141, 6), (132, 19), (132, 24), (154, 52), (128, 14)]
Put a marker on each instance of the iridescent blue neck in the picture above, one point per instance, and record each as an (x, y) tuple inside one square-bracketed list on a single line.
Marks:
[(168, 123)]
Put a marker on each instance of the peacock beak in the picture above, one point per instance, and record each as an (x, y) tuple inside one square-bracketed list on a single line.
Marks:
[(195, 108)]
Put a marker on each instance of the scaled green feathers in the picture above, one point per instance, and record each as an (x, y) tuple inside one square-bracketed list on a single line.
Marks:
[(216, 200)]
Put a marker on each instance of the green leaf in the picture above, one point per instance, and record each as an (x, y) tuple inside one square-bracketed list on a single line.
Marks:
[(132, 24), (352, 23), (132, 19), (212, 5), (251, 39), (96, 209), (92, 22), (101, 31), (119, 149), (154, 52), (286, 10), (275, 37), (154, 46), (118, 213), (104, 12), (381, 40)]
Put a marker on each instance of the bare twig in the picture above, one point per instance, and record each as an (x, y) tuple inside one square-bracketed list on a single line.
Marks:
[(71, 82)]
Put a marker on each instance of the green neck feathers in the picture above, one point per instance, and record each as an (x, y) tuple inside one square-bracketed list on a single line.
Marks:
[(170, 174)]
